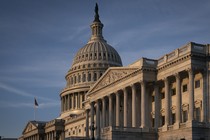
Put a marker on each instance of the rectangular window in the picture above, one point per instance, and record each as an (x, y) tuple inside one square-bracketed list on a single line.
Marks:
[(163, 120), (185, 116), (173, 92), (197, 114), (162, 95), (153, 98), (184, 88), (173, 118), (197, 83), (153, 122)]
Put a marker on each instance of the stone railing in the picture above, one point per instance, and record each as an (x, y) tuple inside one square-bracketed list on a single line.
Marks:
[(144, 62), (189, 48), (182, 125), (51, 123), (170, 127), (160, 129), (122, 129), (76, 117)]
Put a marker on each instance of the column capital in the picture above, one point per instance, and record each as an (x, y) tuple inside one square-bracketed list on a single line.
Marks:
[(98, 101), (177, 75), (117, 92), (190, 70), (165, 79), (132, 85), (142, 82), (124, 89), (155, 83), (92, 103), (110, 95)]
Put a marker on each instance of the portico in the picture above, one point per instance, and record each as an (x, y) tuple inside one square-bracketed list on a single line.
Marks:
[(137, 100)]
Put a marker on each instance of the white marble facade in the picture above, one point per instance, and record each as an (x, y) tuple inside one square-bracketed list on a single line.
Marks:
[(167, 98)]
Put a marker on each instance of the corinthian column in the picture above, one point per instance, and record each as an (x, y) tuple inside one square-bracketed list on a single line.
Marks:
[(98, 119), (157, 105), (167, 102), (87, 123), (191, 95), (104, 112), (143, 105), (125, 107), (178, 99), (204, 103), (92, 117), (110, 110), (133, 106), (118, 109)]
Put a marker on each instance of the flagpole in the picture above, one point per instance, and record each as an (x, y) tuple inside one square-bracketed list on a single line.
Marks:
[(34, 112)]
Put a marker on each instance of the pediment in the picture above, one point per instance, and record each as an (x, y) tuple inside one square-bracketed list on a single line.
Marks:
[(112, 75), (30, 127)]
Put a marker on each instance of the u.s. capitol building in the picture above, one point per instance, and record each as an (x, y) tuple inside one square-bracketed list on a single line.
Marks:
[(165, 99)]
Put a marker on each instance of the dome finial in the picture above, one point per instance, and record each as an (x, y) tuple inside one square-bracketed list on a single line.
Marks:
[(96, 14)]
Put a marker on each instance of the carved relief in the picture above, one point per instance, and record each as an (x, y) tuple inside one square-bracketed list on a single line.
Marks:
[(113, 76), (29, 128)]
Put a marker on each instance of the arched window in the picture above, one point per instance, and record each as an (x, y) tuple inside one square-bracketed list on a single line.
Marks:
[(89, 76), (84, 77), (75, 79), (95, 76), (79, 78)]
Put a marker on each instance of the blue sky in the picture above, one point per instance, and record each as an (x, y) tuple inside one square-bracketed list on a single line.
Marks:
[(38, 40)]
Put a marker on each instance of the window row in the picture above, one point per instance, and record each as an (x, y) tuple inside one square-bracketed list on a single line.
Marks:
[(197, 117), (94, 65), (173, 90), (98, 55), (85, 77)]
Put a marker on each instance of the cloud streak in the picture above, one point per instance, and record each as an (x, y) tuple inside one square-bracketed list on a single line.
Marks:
[(43, 105), (21, 92)]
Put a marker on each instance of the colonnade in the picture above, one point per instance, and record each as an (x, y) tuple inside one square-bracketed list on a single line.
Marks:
[(34, 137), (111, 112), (51, 135), (72, 101), (124, 108)]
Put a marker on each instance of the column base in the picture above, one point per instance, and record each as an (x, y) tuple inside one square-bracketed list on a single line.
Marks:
[(97, 138), (176, 126), (165, 128), (190, 123), (144, 129)]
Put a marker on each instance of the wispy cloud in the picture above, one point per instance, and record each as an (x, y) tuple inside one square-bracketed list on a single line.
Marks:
[(43, 105), (19, 92), (42, 101), (75, 33)]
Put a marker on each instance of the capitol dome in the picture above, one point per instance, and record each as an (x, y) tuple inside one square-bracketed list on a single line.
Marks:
[(89, 64), (97, 50)]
